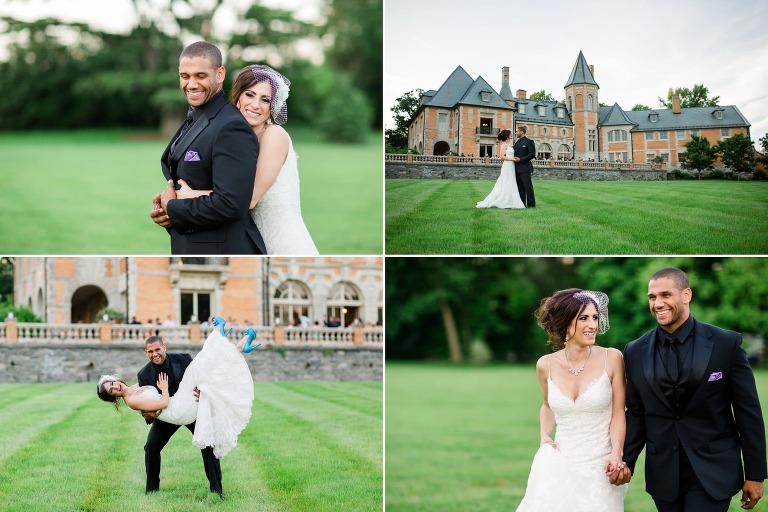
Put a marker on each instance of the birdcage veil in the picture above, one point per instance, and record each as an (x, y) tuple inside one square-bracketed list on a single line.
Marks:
[(281, 87), (600, 301)]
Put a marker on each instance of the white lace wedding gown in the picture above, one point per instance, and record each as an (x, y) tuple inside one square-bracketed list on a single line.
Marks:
[(226, 396), (571, 478), (278, 213), (504, 193)]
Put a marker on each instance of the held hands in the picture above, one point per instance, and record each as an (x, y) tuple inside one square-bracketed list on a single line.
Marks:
[(751, 493), (617, 471), (162, 382), (196, 394), (158, 214)]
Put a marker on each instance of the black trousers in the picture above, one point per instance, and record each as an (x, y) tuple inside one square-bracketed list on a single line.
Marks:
[(691, 496), (525, 188), (159, 435)]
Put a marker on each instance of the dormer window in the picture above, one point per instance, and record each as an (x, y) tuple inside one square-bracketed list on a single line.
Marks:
[(560, 112), (521, 108), (654, 117), (485, 96), (542, 110), (718, 113)]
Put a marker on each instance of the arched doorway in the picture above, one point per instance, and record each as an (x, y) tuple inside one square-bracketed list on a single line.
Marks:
[(545, 151), (564, 152), (87, 301), (441, 148), (291, 302)]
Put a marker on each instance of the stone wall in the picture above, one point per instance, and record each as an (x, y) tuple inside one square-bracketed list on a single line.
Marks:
[(85, 363), (491, 172)]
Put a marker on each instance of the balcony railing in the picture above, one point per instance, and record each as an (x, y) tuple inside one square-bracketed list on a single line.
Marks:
[(487, 130), (572, 164), (193, 334)]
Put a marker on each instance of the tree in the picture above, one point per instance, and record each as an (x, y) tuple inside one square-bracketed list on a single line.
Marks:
[(404, 108), (6, 280), (640, 106), (737, 153), (698, 96), (699, 155), (542, 95)]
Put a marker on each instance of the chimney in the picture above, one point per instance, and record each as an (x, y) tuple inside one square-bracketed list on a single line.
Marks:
[(592, 70), (505, 74), (522, 94), (675, 104)]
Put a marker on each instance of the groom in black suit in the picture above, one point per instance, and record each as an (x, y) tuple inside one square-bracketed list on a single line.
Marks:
[(692, 403), (215, 148), (525, 151), (173, 365)]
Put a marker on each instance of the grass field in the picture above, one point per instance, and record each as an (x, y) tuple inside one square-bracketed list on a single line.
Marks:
[(90, 192), (462, 439), (579, 217), (310, 447)]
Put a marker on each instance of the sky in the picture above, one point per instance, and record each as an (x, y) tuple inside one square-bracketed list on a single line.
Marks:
[(639, 49)]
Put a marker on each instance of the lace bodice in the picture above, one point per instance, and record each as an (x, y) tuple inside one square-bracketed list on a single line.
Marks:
[(278, 212), (583, 425)]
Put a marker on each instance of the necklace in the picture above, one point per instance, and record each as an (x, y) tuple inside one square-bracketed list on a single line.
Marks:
[(568, 362)]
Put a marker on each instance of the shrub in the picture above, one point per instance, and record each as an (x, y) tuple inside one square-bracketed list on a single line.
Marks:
[(717, 174), (345, 115), (20, 313)]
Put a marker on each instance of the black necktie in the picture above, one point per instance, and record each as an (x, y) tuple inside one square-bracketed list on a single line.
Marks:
[(672, 367), (184, 128)]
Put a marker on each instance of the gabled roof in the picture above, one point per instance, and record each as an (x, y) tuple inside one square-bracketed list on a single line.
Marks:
[(452, 90), (613, 116), (473, 95), (532, 115), (581, 73), (688, 119)]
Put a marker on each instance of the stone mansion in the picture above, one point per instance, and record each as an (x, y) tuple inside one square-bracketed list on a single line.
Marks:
[(464, 116)]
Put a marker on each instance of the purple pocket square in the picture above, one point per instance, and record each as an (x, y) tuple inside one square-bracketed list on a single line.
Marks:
[(715, 376), (191, 156)]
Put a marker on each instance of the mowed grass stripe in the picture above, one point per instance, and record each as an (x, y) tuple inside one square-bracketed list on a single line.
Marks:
[(348, 429), (327, 392), (333, 477), (576, 217)]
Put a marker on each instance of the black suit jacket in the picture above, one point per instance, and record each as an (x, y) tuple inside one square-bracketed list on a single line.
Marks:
[(147, 376), (525, 149), (225, 151), (721, 421)]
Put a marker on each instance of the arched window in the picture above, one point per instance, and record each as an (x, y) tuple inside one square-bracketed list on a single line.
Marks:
[(590, 102), (344, 304), (544, 151), (291, 301), (563, 152)]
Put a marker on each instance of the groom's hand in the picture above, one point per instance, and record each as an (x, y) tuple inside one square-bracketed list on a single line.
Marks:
[(752, 492), (150, 415), (158, 215), (167, 195)]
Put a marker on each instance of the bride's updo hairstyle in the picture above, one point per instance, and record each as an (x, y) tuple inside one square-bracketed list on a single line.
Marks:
[(504, 135), (102, 392), (281, 87), (556, 313)]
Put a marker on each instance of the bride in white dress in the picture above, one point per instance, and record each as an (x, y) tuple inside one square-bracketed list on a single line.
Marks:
[(260, 93), (221, 374), (583, 391), (504, 193)]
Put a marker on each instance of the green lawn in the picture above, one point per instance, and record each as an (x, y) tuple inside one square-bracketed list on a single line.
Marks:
[(309, 447), (462, 439), (90, 192), (579, 217)]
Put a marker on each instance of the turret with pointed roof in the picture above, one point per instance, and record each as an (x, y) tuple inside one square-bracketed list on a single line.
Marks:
[(581, 73)]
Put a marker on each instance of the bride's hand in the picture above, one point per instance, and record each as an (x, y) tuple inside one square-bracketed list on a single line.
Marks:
[(548, 440), (187, 192), (162, 382)]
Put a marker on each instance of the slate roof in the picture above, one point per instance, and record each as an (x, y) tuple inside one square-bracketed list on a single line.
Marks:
[(613, 116), (506, 92), (581, 73), (688, 119), (532, 112)]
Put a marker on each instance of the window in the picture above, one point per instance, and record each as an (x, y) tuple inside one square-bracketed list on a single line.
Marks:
[(563, 152), (694, 132), (590, 102), (649, 157), (442, 122), (680, 134), (344, 303), (570, 103), (291, 301), (545, 130), (663, 135), (485, 96), (564, 131), (560, 112), (542, 110), (195, 307), (648, 135), (521, 108), (592, 140), (719, 113), (610, 135), (624, 135), (653, 117), (725, 132)]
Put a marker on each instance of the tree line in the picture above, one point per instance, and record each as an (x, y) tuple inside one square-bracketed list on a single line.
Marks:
[(62, 75), (482, 308)]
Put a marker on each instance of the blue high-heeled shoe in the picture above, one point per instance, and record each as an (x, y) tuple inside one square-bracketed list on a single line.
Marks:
[(251, 336), (221, 323)]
